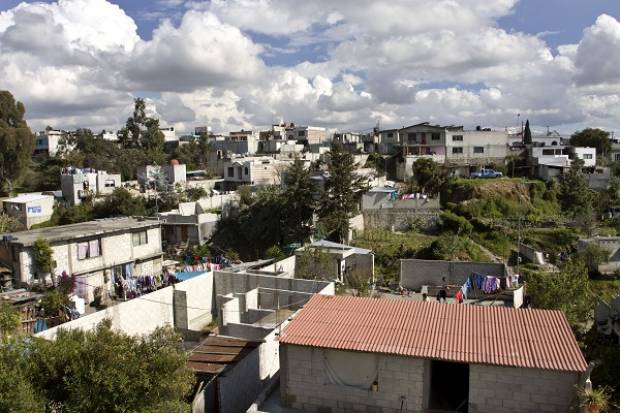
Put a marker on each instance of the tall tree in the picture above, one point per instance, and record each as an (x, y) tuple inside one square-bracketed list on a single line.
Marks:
[(527, 133), (575, 196), (298, 202), (16, 141), (141, 131), (594, 138), (427, 176), (343, 188)]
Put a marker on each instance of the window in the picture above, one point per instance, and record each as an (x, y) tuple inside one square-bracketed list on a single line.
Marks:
[(457, 138), (435, 136), (231, 171), (548, 152), (110, 183), (139, 238), (457, 150), (478, 149), (411, 137), (618, 157), (390, 135), (246, 170), (587, 156), (301, 133), (89, 249)]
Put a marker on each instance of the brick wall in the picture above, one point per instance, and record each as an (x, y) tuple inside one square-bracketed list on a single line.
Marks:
[(495, 389), (304, 384)]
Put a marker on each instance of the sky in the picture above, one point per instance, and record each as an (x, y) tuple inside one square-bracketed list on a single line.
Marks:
[(346, 64)]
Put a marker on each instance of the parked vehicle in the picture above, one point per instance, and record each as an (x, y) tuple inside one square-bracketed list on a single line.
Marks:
[(486, 173)]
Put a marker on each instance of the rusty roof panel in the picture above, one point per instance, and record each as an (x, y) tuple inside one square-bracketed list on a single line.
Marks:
[(466, 333)]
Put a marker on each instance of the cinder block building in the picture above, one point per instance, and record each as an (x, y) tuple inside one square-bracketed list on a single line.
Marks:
[(29, 209), (96, 252), (349, 354)]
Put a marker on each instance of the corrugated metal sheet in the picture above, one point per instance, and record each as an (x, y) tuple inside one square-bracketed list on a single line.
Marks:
[(464, 333)]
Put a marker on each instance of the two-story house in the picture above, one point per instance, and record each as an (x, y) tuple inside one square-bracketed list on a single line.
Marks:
[(451, 145), (78, 184), (96, 252), (252, 171)]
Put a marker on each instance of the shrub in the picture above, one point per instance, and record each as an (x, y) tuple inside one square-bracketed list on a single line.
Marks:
[(449, 221)]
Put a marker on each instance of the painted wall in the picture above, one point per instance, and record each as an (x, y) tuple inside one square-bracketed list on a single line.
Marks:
[(144, 314)]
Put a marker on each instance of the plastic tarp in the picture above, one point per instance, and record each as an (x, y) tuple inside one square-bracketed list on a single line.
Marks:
[(353, 369)]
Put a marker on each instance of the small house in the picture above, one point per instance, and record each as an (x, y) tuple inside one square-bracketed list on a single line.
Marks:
[(353, 354)]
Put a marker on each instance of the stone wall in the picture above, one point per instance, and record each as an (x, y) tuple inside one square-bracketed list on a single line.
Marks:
[(416, 273), (304, 384), (495, 389), (400, 219)]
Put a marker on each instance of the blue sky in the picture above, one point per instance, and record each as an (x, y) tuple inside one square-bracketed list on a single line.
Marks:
[(346, 65)]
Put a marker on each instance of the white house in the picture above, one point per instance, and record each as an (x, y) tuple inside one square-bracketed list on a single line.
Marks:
[(252, 171), (174, 173), (81, 183), (48, 142), (30, 209)]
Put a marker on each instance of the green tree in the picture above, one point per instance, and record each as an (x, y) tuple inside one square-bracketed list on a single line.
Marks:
[(16, 141), (567, 290), (120, 203), (108, 371), (298, 203), (593, 138), (456, 224), (194, 193), (44, 256), (593, 256), (194, 154), (527, 133), (428, 176), (17, 394), (143, 132), (343, 188), (275, 253), (575, 196), (9, 321)]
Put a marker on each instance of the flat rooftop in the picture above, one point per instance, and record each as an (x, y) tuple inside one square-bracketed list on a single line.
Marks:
[(81, 230), (23, 198)]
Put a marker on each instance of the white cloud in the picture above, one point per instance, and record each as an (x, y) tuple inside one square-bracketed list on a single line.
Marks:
[(79, 63), (598, 53)]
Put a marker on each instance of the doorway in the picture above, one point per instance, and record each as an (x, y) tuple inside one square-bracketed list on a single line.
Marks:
[(449, 386)]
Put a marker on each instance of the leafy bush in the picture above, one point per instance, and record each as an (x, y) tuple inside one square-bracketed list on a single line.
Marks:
[(449, 221)]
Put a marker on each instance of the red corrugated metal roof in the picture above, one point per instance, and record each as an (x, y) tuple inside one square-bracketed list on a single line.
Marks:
[(464, 333)]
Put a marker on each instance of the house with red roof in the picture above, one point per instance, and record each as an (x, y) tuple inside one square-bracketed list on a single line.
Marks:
[(351, 354)]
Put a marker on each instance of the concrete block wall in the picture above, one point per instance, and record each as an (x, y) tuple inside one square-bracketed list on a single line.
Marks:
[(304, 384), (415, 273), (495, 389)]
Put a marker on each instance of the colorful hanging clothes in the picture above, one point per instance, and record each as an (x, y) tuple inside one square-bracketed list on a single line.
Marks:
[(459, 297)]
